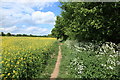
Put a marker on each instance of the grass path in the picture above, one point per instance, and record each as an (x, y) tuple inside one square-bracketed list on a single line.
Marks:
[(56, 69)]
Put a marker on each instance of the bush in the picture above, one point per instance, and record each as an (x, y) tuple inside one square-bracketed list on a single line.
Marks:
[(93, 60)]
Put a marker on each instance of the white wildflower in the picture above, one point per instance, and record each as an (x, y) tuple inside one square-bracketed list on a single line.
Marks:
[(110, 67), (79, 72), (118, 62), (111, 56)]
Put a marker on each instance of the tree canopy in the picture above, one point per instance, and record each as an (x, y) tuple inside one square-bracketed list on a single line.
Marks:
[(89, 21)]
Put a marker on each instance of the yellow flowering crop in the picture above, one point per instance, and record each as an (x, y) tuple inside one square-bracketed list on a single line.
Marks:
[(24, 56)]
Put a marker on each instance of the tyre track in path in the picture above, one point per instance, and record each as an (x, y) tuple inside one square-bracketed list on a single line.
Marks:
[(56, 69)]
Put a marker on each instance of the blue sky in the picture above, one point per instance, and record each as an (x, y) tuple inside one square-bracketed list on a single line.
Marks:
[(24, 17)]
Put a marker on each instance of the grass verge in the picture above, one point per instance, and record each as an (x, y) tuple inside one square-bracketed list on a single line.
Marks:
[(49, 67), (66, 57)]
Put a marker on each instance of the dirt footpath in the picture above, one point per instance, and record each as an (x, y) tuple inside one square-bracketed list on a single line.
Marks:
[(56, 69)]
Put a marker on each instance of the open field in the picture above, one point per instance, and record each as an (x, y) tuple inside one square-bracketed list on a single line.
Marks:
[(25, 57)]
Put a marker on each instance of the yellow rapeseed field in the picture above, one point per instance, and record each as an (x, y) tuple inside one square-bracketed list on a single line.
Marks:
[(24, 57)]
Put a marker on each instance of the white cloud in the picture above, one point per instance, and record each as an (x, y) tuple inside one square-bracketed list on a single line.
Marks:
[(36, 30), (43, 17), (40, 4), (13, 14), (9, 29), (26, 1), (22, 12), (25, 30)]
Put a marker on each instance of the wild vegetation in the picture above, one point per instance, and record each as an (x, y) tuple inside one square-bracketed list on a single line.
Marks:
[(91, 35), (26, 57), (88, 60)]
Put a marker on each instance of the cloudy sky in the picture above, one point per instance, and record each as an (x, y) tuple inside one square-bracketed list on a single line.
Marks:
[(28, 16)]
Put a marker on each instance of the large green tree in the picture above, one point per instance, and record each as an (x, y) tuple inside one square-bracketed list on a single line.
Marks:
[(59, 30), (89, 21)]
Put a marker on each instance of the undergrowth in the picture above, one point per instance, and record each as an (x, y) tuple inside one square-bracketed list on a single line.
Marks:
[(89, 60)]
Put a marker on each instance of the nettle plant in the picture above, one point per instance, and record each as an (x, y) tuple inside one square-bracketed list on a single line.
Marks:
[(94, 60)]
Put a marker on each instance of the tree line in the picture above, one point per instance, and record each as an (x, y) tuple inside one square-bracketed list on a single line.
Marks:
[(26, 35), (88, 21)]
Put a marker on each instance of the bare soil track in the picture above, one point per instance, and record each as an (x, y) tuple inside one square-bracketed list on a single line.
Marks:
[(56, 69)]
